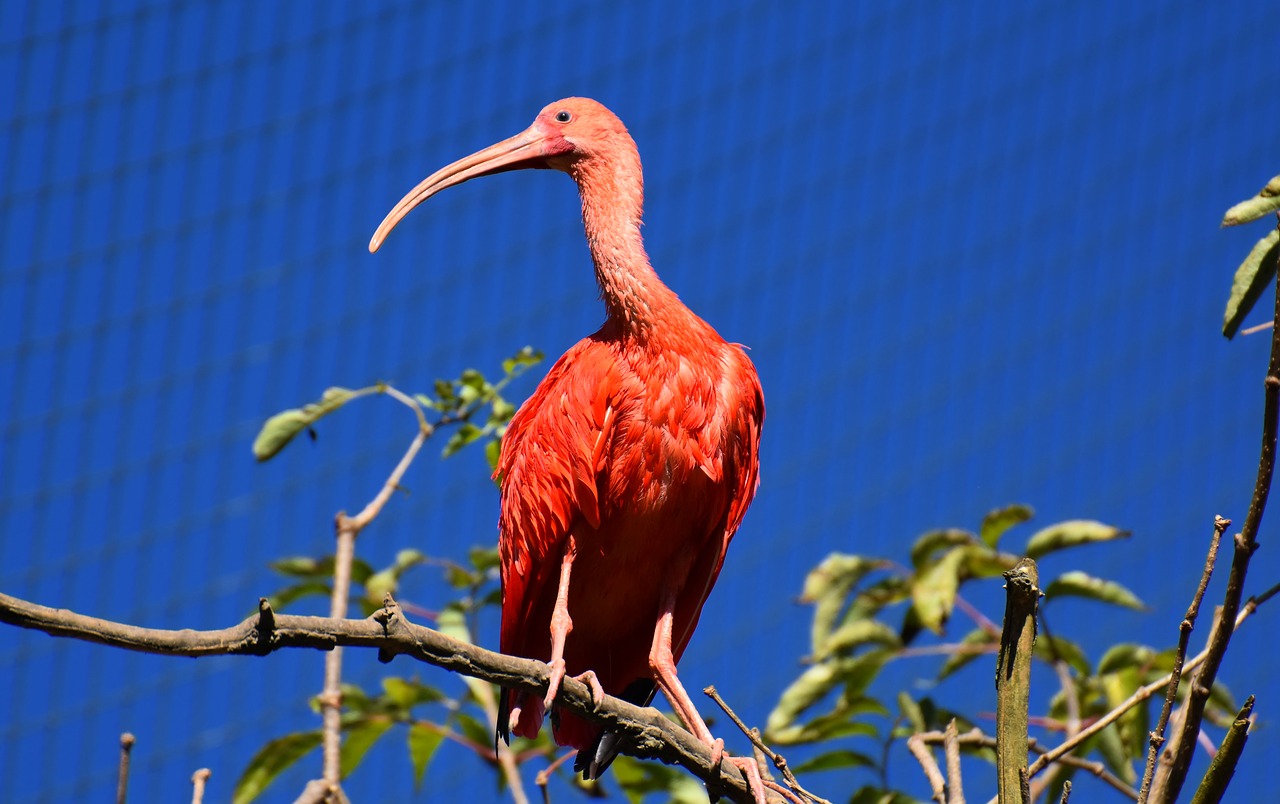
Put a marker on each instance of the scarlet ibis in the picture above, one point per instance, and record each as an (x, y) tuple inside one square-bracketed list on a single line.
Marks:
[(626, 474)]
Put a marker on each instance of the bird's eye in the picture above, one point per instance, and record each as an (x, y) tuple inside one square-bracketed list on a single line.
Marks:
[(563, 117)]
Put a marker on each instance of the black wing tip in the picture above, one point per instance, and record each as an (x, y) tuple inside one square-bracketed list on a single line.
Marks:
[(594, 762)]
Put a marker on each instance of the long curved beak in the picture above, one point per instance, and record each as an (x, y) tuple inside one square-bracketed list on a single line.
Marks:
[(521, 151)]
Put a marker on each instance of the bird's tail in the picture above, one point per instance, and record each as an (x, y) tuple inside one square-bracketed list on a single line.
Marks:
[(598, 747)]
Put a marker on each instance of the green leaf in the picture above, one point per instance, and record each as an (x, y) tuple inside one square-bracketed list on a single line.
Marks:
[(425, 401), (1080, 584), (973, 639), (1251, 279), (933, 592), (911, 712), (1051, 648), (502, 411), (492, 451), (270, 761), (280, 429), (935, 540), (405, 694), (875, 795), (423, 742), (319, 568), (1126, 656), (1267, 200), (291, 594), (815, 683), (827, 585), (484, 559), (1114, 754), (472, 729), (996, 522), (835, 760), (357, 741), (640, 779), (521, 360), (855, 633), (464, 435), (1071, 533), (812, 686)]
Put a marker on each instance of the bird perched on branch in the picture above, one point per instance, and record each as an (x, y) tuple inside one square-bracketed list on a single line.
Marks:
[(626, 474)]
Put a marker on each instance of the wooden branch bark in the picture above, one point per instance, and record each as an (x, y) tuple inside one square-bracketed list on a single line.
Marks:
[(651, 735), (1013, 680)]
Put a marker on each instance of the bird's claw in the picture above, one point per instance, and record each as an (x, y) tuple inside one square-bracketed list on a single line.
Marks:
[(593, 683), (751, 772), (553, 682), (747, 765)]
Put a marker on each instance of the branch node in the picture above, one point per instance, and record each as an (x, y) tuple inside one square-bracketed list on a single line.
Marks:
[(263, 639)]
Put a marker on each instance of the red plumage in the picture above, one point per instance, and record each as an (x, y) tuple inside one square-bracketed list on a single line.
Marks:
[(630, 468)]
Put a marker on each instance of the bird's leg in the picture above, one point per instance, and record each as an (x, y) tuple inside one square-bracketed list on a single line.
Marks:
[(663, 665), (561, 625)]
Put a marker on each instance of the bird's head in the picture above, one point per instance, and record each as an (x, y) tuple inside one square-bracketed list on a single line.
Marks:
[(566, 135)]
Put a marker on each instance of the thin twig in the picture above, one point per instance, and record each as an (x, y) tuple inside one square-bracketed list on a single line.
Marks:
[(122, 778), (506, 757), (348, 528), (1066, 792), (1142, 694), (981, 620), (779, 761), (975, 737), (920, 750), (544, 775), (1220, 525), (1071, 696), (1168, 783), (198, 780), (951, 748)]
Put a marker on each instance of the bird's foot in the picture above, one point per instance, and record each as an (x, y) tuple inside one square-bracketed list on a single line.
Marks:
[(747, 765), (553, 682), (597, 691)]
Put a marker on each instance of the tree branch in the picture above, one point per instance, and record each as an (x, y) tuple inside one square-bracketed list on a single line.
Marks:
[(1220, 525), (1170, 778), (651, 735)]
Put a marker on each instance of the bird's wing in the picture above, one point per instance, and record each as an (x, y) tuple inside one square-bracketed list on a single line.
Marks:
[(552, 456), (739, 462)]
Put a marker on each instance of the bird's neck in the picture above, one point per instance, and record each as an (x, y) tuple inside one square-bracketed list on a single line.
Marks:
[(612, 203)]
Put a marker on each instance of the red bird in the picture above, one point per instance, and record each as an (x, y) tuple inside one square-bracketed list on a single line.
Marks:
[(626, 474)]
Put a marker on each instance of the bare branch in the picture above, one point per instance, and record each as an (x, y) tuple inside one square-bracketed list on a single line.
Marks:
[(951, 747), (920, 750), (651, 735), (1220, 525), (1168, 783), (779, 761), (198, 780), (975, 737), (1142, 694), (1013, 679), (122, 779), (1223, 766)]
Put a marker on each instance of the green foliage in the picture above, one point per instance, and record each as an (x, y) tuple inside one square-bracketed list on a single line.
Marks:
[(271, 760), (280, 429), (1259, 266), (868, 612), (457, 403), (428, 714)]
